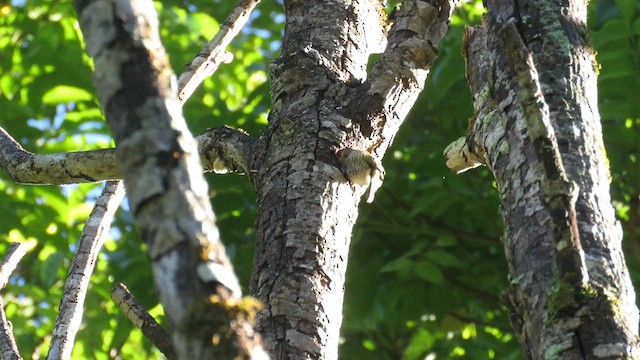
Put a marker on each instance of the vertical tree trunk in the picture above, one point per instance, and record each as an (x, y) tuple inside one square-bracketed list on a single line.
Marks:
[(322, 101), (167, 192), (555, 316)]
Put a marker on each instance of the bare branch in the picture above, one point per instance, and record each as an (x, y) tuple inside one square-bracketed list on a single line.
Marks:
[(93, 236), (74, 167), (217, 146), (224, 150), (209, 58), (141, 318), (8, 347), (460, 157), (10, 261)]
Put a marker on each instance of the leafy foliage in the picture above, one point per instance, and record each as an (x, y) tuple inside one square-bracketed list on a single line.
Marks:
[(426, 266)]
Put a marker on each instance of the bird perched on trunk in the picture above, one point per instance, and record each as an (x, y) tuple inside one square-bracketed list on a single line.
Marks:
[(361, 168)]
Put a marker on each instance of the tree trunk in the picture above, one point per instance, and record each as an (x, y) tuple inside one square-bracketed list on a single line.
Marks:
[(167, 192), (532, 73), (323, 101)]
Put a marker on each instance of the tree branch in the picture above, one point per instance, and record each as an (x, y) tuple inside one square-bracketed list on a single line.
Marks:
[(8, 347), (485, 131), (93, 237), (212, 55), (15, 253), (67, 168), (398, 77), (141, 318), (219, 148)]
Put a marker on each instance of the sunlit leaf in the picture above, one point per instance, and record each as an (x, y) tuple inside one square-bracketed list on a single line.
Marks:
[(63, 94)]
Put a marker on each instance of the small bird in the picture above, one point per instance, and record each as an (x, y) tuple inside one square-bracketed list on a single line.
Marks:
[(361, 168)]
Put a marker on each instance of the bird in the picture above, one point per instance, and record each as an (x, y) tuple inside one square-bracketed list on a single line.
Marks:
[(361, 168)]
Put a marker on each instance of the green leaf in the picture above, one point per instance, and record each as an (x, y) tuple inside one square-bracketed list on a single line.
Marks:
[(442, 257), (64, 94), (48, 270), (612, 30), (421, 342), (429, 271), (397, 265)]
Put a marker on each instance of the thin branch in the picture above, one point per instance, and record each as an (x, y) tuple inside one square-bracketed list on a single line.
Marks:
[(10, 261), (468, 152), (141, 318), (93, 236), (209, 58), (8, 347)]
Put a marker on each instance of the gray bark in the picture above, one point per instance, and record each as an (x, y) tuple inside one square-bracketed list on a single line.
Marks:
[(76, 285), (555, 315), (167, 192), (323, 101)]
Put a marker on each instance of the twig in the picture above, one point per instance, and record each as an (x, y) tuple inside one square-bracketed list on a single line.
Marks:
[(10, 261), (8, 347), (209, 58), (141, 318), (75, 288)]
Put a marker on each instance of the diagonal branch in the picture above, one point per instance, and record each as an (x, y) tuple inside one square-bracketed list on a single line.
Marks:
[(10, 261), (470, 151), (8, 347), (209, 58), (93, 236), (398, 77), (141, 318)]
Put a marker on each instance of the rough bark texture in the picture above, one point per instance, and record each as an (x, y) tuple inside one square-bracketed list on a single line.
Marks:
[(554, 317), (323, 101), (166, 189)]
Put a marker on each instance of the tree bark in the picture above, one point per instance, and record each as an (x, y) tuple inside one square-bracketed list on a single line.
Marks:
[(167, 192), (324, 101), (555, 315)]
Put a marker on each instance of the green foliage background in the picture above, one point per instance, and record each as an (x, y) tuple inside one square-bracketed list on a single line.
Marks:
[(426, 266)]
